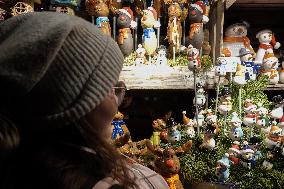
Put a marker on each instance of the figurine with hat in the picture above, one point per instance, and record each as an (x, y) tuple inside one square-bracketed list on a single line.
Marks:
[(174, 134), (124, 23), (255, 146), (212, 122), (247, 156), (236, 130), (267, 42), (225, 105), (275, 137), (162, 56), (250, 117), (149, 39), (208, 140), (158, 125), (222, 168), (269, 68), (246, 57), (189, 125), (234, 152), (236, 38), (200, 97), (263, 120), (140, 55), (197, 18)]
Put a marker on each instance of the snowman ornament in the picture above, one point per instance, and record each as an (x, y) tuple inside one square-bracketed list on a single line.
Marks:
[(267, 42), (200, 97), (236, 131), (250, 117), (189, 123)]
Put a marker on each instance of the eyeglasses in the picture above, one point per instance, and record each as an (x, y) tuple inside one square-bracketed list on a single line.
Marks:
[(119, 91)]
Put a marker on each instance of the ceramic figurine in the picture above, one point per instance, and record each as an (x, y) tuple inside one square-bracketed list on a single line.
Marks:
[(167, 163), (200, 119), (162, 56), (240, 75), (247, 156), (267, 42), (277, 111), (222, 169), (200, 97), (263, 120), (270, 66), (173, 133), (255, 146), (234, 153), (134, 150), (197, 18), (149, 38), (124, 23), (193, 57), (236, 130), (158, 125), (101, 12), (220, 69), (208, 140), (189, 123), (247, 61), (225, 105), (119, 129), (174, 29), (250, 116), (236, 38), (275, 137), (281, 73), (140, 55), (212, 122)]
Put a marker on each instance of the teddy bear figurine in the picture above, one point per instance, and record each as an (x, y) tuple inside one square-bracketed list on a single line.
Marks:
[(120, 133)]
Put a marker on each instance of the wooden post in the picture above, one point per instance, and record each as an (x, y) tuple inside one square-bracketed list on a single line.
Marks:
[(219, 27), (114, 27)]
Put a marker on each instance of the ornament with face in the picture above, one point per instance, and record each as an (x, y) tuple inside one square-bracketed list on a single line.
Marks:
[(222, 168), (225, 105), (236, 130), (200, 97), (234, 153), (236, 38), (189, 125), (270, 66), (162, 56), (275, 137), (267, 42), (250, 117), (167, 163), (247, 156), (246, 58), (158, 125), (194, 61), (125, 39), (277, 111)]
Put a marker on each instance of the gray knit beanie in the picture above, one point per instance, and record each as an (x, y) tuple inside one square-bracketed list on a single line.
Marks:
[(55, 67)]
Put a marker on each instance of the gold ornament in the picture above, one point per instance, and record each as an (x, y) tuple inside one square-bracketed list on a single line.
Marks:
[(21, 8), (65, 10)]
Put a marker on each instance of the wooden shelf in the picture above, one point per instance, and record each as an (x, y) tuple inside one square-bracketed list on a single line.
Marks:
[(259, 3), (171, 78)]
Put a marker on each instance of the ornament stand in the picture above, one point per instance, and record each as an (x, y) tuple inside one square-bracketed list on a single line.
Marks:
[(240, 100), (114, 28), (217, 95), (196, 107)]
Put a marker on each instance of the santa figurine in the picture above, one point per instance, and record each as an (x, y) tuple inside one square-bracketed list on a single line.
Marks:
[(236, 38), (234, 152), (267, 42)]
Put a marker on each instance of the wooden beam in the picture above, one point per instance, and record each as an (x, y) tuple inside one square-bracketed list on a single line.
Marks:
[(219, 27), (229, 3)]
